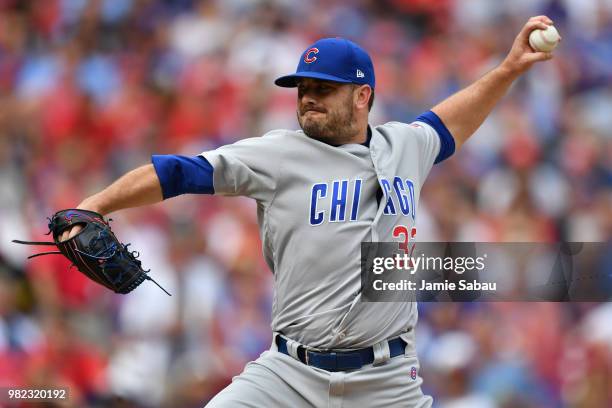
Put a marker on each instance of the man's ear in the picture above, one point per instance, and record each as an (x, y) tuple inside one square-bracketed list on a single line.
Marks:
[(361, 96)]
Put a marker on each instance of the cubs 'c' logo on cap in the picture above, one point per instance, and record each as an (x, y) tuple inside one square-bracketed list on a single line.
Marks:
[(307, 58)]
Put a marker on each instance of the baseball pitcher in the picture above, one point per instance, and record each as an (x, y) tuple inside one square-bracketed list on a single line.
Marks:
[(321, 191)]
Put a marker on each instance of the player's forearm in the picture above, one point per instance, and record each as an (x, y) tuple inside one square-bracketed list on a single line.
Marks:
[(465, 111), (138, 187)]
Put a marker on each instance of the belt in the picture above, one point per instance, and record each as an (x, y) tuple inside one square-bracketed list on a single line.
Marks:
[(340, 360)]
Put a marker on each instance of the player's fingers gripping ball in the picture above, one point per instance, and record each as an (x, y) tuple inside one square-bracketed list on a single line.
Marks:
[(544, 40)]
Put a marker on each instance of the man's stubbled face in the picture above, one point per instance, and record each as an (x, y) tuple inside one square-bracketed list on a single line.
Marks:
[(325, 110)]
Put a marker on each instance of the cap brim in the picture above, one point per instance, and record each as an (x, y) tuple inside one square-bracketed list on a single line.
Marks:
[(290, 81)]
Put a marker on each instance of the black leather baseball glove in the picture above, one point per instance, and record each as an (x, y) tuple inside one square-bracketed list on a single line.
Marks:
[(95, 250)]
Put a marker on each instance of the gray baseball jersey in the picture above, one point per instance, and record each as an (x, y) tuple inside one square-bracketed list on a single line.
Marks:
[(316, 204)]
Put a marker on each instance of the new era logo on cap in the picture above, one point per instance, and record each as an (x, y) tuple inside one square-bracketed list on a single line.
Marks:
[(333, 59)]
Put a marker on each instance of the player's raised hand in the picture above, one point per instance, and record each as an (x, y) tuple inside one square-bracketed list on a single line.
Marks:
[(521, 56)]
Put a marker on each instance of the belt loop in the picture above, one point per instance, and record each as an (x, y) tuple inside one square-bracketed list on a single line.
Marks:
[(292, 347), (381, 352)]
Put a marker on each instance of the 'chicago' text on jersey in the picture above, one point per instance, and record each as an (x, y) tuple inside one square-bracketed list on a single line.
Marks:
[(338, 200)]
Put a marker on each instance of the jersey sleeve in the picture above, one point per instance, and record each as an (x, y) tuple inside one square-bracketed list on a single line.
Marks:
[(434, 141), (437, 142), (249, 167), (183, 175), (423, 142)]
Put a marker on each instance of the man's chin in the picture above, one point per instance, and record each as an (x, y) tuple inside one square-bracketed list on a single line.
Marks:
[(313, 134), (310, 126), (313, 120)]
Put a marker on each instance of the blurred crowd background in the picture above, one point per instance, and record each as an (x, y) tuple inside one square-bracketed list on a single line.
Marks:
[(90, 89)]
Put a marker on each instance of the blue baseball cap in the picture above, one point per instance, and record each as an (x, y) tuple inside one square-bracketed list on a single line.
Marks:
[(333, 59)]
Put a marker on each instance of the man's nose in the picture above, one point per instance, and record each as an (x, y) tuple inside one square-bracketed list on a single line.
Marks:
[(308, 98)]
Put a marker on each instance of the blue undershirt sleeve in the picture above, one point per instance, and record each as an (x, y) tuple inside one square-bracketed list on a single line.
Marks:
[(183, 175), (447, 143)]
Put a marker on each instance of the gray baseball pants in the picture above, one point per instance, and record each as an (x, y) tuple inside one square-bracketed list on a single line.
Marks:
[(278, 380)]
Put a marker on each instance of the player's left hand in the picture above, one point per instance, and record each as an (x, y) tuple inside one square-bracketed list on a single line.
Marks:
[(521, 57), (95, 251)]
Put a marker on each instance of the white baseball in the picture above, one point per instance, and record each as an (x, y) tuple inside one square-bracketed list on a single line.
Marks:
[(544, 40)]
